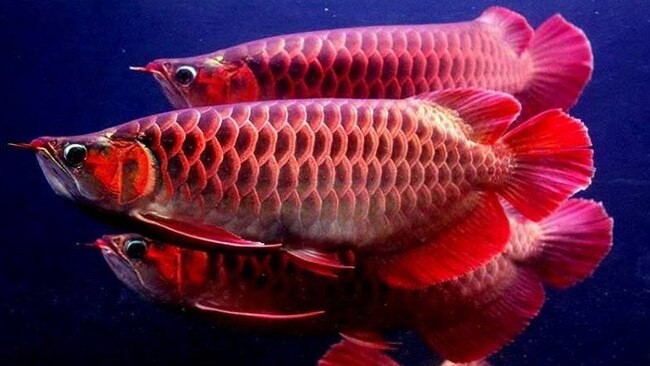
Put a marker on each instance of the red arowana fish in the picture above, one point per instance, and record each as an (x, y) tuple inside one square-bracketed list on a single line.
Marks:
[(463, 320), (546, 68), (411, 182)]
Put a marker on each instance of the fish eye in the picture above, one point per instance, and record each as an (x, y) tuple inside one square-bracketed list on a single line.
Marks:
[(185, 75), (74, 155), (135, 249)]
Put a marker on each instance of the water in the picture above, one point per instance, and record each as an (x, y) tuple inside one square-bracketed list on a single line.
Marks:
[(65, 72)]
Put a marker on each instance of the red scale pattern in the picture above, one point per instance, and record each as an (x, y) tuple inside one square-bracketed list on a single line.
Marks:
[(383, 62), (325, 171)]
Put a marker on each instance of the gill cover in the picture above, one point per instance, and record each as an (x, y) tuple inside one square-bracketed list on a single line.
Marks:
[(124, 169), (221, 81)]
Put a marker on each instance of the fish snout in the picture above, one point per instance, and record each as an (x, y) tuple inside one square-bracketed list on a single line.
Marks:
[(154, 67), (99, 244), (35, 145)]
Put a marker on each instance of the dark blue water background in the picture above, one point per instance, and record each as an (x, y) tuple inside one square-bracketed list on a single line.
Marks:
[(64, 71)]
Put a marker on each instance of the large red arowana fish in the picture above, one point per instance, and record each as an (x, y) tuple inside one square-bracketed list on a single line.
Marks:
[(411, 182), (546, 68), (463, 320)]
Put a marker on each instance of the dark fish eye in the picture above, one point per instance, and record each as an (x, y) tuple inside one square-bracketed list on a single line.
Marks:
[(74, 155), (135, 249), (185, 75)]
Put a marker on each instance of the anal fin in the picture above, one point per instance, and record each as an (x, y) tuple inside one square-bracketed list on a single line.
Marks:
[(490, 326), (348, 353), (457, 250), (369, 339)]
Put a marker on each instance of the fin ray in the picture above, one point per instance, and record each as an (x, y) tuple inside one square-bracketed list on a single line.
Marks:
[(206, 236), (348, 353), (574, 240), (211, 307), (459, 249), (489, 113)]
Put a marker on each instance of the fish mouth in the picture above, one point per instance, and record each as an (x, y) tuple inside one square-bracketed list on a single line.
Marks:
[(56, 174), (162, 74), (25, 145), (61, 181), (119, 264)]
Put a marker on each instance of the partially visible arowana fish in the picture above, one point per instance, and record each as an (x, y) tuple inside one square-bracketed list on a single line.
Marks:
[(412, 183), (474, 363), (463, 320), (545, 69)]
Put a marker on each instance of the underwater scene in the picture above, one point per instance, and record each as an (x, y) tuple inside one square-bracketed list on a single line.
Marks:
[(325, 183)]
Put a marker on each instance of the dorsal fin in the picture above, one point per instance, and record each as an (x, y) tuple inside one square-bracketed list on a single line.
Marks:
[(514, 27), (489, 113)]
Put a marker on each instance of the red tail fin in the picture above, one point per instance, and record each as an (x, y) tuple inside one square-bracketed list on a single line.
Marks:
[(552, 161), (574, 240), (562, 66), (487, 328)]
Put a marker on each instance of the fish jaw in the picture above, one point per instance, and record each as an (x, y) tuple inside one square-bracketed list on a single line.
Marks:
[(161, 71), (124, 271), (59, 178), (54, 173)]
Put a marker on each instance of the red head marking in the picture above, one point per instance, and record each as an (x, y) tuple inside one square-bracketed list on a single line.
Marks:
[(124, 169)]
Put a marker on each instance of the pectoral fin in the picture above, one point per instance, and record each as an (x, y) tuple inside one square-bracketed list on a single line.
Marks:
[(205, 236), (214, 308), (322, 263)]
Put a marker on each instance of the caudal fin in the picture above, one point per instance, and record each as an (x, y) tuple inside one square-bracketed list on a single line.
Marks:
[(574, 239), (562, 65), (552, 161)]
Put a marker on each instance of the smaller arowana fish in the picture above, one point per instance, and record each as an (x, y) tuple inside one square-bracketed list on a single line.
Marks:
[(412, 183), (545, 69), (463, 320)]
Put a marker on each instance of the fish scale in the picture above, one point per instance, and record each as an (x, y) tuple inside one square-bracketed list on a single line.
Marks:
[(347, 171), (383, 62)]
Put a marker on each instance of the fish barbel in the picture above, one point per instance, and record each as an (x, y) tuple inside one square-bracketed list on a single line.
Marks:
[(463, 320), (413, 182), (546, 68)]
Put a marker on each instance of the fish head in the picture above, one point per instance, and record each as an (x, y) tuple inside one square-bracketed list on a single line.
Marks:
[(147, 266), (204, 80), (103, 170)]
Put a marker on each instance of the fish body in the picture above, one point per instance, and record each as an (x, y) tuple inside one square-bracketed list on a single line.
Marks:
[(546, 68), (267, 292), (321, 175)]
